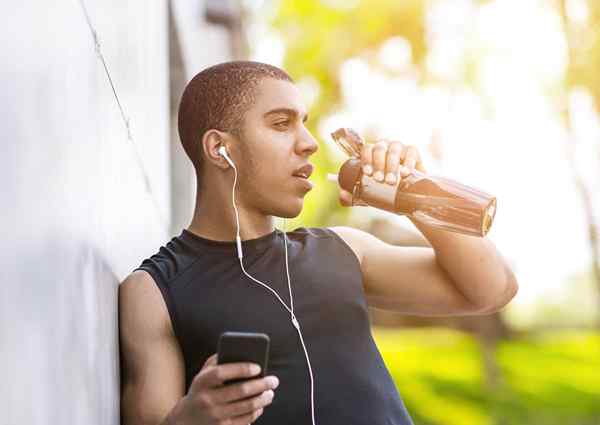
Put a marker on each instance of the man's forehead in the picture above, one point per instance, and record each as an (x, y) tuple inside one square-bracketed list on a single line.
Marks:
[(279, 96)]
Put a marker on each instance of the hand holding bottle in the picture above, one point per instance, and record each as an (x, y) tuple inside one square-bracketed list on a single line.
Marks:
[(386, 161), (390, 176)]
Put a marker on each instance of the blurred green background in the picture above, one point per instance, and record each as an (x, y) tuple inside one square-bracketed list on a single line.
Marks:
[(503, 95)]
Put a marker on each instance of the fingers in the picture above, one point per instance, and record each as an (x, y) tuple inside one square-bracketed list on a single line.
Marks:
[(214, 375), (242, 390), (366, 157), (379, 155), (411, 159), (246, 419), (244, 407), (386, 161), (211, 361), (392, 163), (236, 403), (383, 159), (345, 199)]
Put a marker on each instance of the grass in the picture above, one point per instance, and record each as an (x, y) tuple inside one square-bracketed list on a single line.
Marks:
[(546, 379)]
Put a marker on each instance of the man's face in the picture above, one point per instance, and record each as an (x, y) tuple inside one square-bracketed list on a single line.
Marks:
[(275, 144)]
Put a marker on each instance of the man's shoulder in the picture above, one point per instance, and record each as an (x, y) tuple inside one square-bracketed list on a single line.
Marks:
[(352, 237), (140, 298), (139, 287)]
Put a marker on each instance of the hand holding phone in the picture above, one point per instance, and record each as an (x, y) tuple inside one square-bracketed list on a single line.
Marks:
[(213, 396)]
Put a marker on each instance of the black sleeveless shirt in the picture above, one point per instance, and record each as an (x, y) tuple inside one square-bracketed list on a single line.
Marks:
[(207, 293)]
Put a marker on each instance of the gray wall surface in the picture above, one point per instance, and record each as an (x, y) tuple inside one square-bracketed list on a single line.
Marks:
[(76, 217)]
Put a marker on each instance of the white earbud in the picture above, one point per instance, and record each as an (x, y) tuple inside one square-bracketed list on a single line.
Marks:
[(223, 153)]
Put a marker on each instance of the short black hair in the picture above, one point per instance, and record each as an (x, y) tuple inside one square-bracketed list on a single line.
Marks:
[(218, 97)]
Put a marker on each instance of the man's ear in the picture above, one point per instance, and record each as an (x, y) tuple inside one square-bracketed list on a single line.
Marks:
[(211, 142)]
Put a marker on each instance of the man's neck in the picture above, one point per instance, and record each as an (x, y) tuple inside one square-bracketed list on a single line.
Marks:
[(214, 218)]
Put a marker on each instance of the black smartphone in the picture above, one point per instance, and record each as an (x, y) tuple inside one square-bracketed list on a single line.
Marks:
[(244, 347)]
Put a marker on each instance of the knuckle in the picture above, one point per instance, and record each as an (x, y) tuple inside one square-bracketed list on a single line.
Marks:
[(396, 149), (202, 376), (366, 154), (219, 373), (380, 146), (245, 389), (393, 156), (255, 403), (197, 385)]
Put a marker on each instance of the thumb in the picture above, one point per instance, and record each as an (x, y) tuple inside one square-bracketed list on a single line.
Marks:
[(345, 199), (211, 361)]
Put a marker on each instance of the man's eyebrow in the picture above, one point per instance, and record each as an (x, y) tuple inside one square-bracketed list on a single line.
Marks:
[(287, 111)]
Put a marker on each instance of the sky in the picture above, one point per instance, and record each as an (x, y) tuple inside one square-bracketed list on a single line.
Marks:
[(504, 135)]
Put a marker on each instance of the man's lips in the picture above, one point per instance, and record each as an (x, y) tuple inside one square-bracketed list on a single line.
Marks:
[(305, 171), (304, 182)]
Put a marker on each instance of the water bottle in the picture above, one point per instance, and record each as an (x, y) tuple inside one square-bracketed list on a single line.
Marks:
[(436, 201)]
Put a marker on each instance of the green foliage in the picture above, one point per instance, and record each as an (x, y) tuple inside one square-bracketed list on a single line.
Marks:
[(547, 379), (584, 69)]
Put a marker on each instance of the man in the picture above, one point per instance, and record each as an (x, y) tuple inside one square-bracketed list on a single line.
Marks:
[(175, 305)]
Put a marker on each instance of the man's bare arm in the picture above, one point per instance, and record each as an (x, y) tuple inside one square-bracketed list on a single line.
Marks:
[(411, 280), (475, 265), (152, 371)]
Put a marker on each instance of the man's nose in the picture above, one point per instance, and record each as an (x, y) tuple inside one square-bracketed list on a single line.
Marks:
[(308, 144)]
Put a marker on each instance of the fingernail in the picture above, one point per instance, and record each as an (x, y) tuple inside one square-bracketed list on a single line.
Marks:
[(367, 169), (390, 178), (273, 381), (378, 176), (254, 369)]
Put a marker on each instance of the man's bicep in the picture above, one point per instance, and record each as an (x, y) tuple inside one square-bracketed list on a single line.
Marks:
[(153, 374), (410, 280), (404, 279)]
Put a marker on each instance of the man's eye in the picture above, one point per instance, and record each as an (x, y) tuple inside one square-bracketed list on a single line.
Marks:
[(281, 124)]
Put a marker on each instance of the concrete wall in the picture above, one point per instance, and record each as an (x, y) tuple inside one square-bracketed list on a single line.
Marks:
[(193, 46), (76, 215)]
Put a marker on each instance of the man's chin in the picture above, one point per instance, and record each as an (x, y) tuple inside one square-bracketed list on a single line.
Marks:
[(292, 209)]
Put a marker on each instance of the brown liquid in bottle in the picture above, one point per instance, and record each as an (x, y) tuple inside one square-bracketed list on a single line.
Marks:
[(433, 200)]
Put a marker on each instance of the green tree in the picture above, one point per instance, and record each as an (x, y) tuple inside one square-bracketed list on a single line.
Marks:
[(583, 70)]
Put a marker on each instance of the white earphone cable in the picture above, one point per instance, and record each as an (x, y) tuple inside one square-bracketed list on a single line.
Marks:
[(291, 310)]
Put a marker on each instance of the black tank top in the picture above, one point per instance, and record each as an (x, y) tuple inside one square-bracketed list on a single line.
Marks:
[(207, 293)]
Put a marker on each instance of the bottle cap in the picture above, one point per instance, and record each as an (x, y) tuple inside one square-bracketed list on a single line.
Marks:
[(349, 140)]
